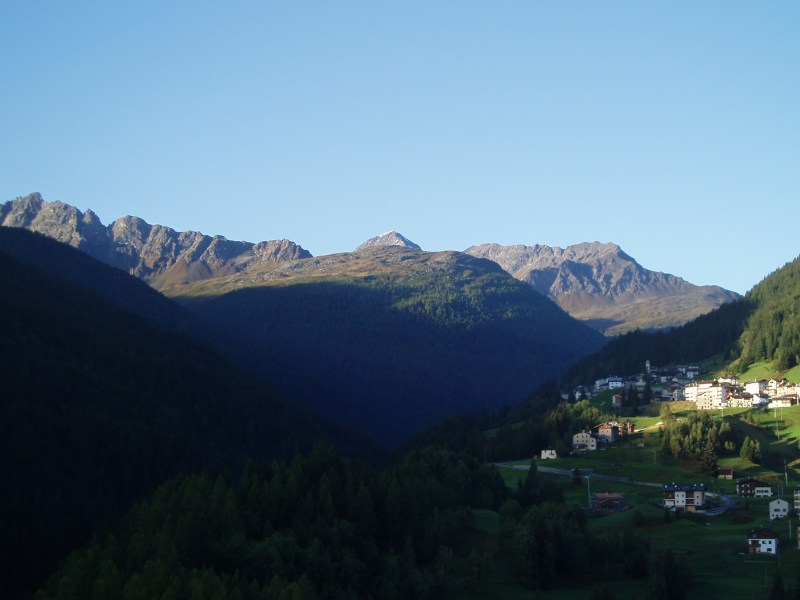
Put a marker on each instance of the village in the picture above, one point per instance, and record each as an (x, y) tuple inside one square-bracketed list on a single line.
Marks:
[(678, 384), (687, 497)]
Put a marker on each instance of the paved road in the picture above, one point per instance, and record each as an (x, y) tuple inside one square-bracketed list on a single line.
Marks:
[(728, 502)]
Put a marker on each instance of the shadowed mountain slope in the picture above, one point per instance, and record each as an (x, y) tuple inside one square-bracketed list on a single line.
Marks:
[(99, 406), (391, 339)]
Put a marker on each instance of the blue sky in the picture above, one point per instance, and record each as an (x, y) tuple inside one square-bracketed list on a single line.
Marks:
[(672, 129)]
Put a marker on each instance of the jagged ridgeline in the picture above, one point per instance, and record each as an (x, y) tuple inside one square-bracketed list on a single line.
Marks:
[(606, 288), (99, 405), (391, 339), (762, 326)]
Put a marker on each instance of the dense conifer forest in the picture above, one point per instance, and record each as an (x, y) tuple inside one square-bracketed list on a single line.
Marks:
[(100, 407)]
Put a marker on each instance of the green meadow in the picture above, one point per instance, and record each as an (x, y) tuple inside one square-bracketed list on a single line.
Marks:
[(712, 545)]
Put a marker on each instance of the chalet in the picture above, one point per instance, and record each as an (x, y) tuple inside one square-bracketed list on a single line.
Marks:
[(725, 473), (797, 498), (741, 400), (762, 541), (782, 402), (549, 454), (753, 488), (607, 432), (778, 509), (684, 496), (608, 501), (583, 441), (616, 401)]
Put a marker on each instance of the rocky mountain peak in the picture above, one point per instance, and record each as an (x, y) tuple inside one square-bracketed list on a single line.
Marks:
[(390, 238), (599, 283), (160, 255)]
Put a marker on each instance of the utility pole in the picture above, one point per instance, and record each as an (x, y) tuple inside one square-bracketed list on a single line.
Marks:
[(588, 492)]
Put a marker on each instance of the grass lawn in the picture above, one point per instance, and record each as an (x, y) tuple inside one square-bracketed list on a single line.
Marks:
[(765, 370)]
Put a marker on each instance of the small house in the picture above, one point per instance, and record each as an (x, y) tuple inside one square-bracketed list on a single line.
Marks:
[(797, 498), (778, 509), (753, 488), (725, 473), (549, 454), (608, 501), (583, 441), (608, 432), (762, 541)]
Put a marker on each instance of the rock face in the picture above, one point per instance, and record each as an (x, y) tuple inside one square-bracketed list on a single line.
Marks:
[(159, 255), (601, 285), (390, 238)]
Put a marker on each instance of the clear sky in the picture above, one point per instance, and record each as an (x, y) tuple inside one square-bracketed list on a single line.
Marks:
[(671, 128)]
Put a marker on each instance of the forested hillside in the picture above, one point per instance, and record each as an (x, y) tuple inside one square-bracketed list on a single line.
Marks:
[(99, 407), (327, 528), (773, 330), (392, 340)]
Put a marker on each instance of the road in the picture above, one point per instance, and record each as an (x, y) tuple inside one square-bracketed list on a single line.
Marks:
[(728, 502)]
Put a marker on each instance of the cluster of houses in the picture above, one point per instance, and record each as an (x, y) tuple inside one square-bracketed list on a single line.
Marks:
[(690, 496), (680, 383), (602, 435)]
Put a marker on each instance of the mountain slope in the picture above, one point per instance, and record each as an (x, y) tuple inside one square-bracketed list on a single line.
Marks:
[(99, 407), (773, 331), (157, 254), (391, 339), (601, 285), (762, 326)]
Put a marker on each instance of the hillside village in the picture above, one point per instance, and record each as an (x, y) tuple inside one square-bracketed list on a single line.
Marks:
[(680, 383)]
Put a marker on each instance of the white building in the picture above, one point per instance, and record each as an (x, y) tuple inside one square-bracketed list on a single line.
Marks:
[(756, 387), (549, 454), (740, 401), (706, 394), (684, 496), (778, 509), (762, 541), (797, 498), (616, 383), (584, 441)]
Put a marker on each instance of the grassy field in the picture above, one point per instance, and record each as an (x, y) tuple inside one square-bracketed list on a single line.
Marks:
[(713, 546), (765, 370)]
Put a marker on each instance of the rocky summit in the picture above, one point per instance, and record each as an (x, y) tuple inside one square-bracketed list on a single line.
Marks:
[(155, 253), (390, 238), (600, 284)]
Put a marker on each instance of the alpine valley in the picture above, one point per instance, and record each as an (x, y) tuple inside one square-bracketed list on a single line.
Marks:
[(186, 416)]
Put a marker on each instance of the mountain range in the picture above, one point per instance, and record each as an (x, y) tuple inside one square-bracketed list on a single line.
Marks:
[(594, 282), (604, 287), (387, 339)]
